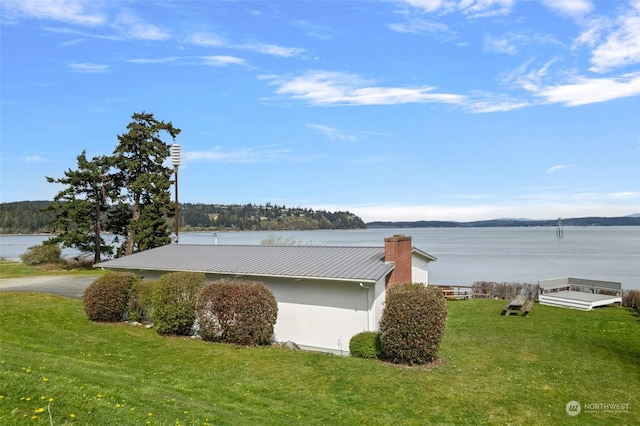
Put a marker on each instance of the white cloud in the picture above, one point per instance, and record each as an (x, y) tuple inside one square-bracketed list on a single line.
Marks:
[(622, 46), (217, 154), (145, 31), (540, 208), (213, 40), (272, 49), (333, 133), (326, 88), (320, 32), (556, 169), (215, 60), (595, 27), (485, 8), (89, 68), (91, 13), (416, 25), (495, 103), (583, 91), (154, 61), (505, 44), (222, 61), (207, 40), (35, 159), (80, 12), (472, 8), (626, 195), (572, 89), (569, 7)]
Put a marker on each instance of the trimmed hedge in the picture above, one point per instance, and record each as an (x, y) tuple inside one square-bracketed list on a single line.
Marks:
[(174, 301), (366, 345), (237, 311), (412, 323), (107, 298)]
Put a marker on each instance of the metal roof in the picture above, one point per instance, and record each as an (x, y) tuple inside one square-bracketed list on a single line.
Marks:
[(313, 262)]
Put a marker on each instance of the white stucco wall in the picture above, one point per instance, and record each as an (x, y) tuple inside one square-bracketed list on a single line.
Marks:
[(320, 315), (323, 315), (419, 269)]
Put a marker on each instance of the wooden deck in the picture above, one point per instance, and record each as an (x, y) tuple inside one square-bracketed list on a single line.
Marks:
[(579, 293), (577, 299)]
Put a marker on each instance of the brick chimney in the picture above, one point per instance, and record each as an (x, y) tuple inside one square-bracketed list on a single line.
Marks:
[(397, 249)]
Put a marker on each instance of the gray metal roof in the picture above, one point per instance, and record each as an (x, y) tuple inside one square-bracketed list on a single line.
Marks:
[(316, 262)]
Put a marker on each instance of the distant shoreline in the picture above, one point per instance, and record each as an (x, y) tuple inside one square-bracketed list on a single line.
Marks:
[(502, 223)]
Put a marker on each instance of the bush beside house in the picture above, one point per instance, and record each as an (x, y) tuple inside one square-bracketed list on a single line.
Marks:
[(174, 301), (236, 311), (140, 302), (366, 345), (412, 323), (107, 298)]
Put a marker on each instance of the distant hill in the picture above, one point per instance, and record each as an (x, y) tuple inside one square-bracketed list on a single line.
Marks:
[(27, 217), (581, 221)]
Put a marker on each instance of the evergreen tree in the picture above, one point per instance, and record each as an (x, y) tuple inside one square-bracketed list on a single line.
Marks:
[(144, 182), (78, 208)]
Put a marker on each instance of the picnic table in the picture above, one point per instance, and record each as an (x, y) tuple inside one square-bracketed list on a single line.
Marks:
[(519, 304)]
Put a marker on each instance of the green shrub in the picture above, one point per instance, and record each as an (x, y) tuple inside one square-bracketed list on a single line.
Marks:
[(140, 302), (107, 298), (78, 262), (504, 290), (236, 311), (174, 301), (365, 345), (42, 254), (412, 323)]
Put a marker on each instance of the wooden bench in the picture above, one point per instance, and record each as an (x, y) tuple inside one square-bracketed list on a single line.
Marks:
[(527, 308)]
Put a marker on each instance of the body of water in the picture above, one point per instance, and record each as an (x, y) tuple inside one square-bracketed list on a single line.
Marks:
[(465, 255)]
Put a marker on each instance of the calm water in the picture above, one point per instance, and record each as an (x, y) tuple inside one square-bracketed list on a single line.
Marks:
[(464, 255)]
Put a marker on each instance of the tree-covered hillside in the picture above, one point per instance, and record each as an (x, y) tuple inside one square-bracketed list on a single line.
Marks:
[(578, 221), (27, 217)]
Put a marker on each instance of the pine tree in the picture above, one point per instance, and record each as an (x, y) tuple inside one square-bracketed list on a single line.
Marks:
[(78, 208), (145, 183)]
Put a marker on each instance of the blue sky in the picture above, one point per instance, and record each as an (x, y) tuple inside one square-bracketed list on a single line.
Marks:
[(394, 110)]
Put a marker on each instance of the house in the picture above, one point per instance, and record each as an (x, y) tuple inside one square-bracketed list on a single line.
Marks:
[(579, 293), (325, 295)]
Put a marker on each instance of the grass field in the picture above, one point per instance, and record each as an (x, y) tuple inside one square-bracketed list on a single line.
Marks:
[(13, 269), (56, 367)]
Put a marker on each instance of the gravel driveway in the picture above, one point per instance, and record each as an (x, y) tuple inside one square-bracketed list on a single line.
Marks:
[(72, 287)]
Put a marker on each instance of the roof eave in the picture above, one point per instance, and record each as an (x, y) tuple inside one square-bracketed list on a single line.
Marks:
[(245, 274), (424, 254)]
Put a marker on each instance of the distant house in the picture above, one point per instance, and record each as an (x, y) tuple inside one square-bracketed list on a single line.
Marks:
[(325, 295)]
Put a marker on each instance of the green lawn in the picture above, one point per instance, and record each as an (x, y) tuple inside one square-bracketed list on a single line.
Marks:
[(55, 364), (13, 269)]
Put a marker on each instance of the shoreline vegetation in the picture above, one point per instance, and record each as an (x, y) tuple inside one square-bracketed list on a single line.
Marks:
[(28, 217)]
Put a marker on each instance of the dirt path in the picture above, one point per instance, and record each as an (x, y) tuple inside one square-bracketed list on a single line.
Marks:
[(72, 287)]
